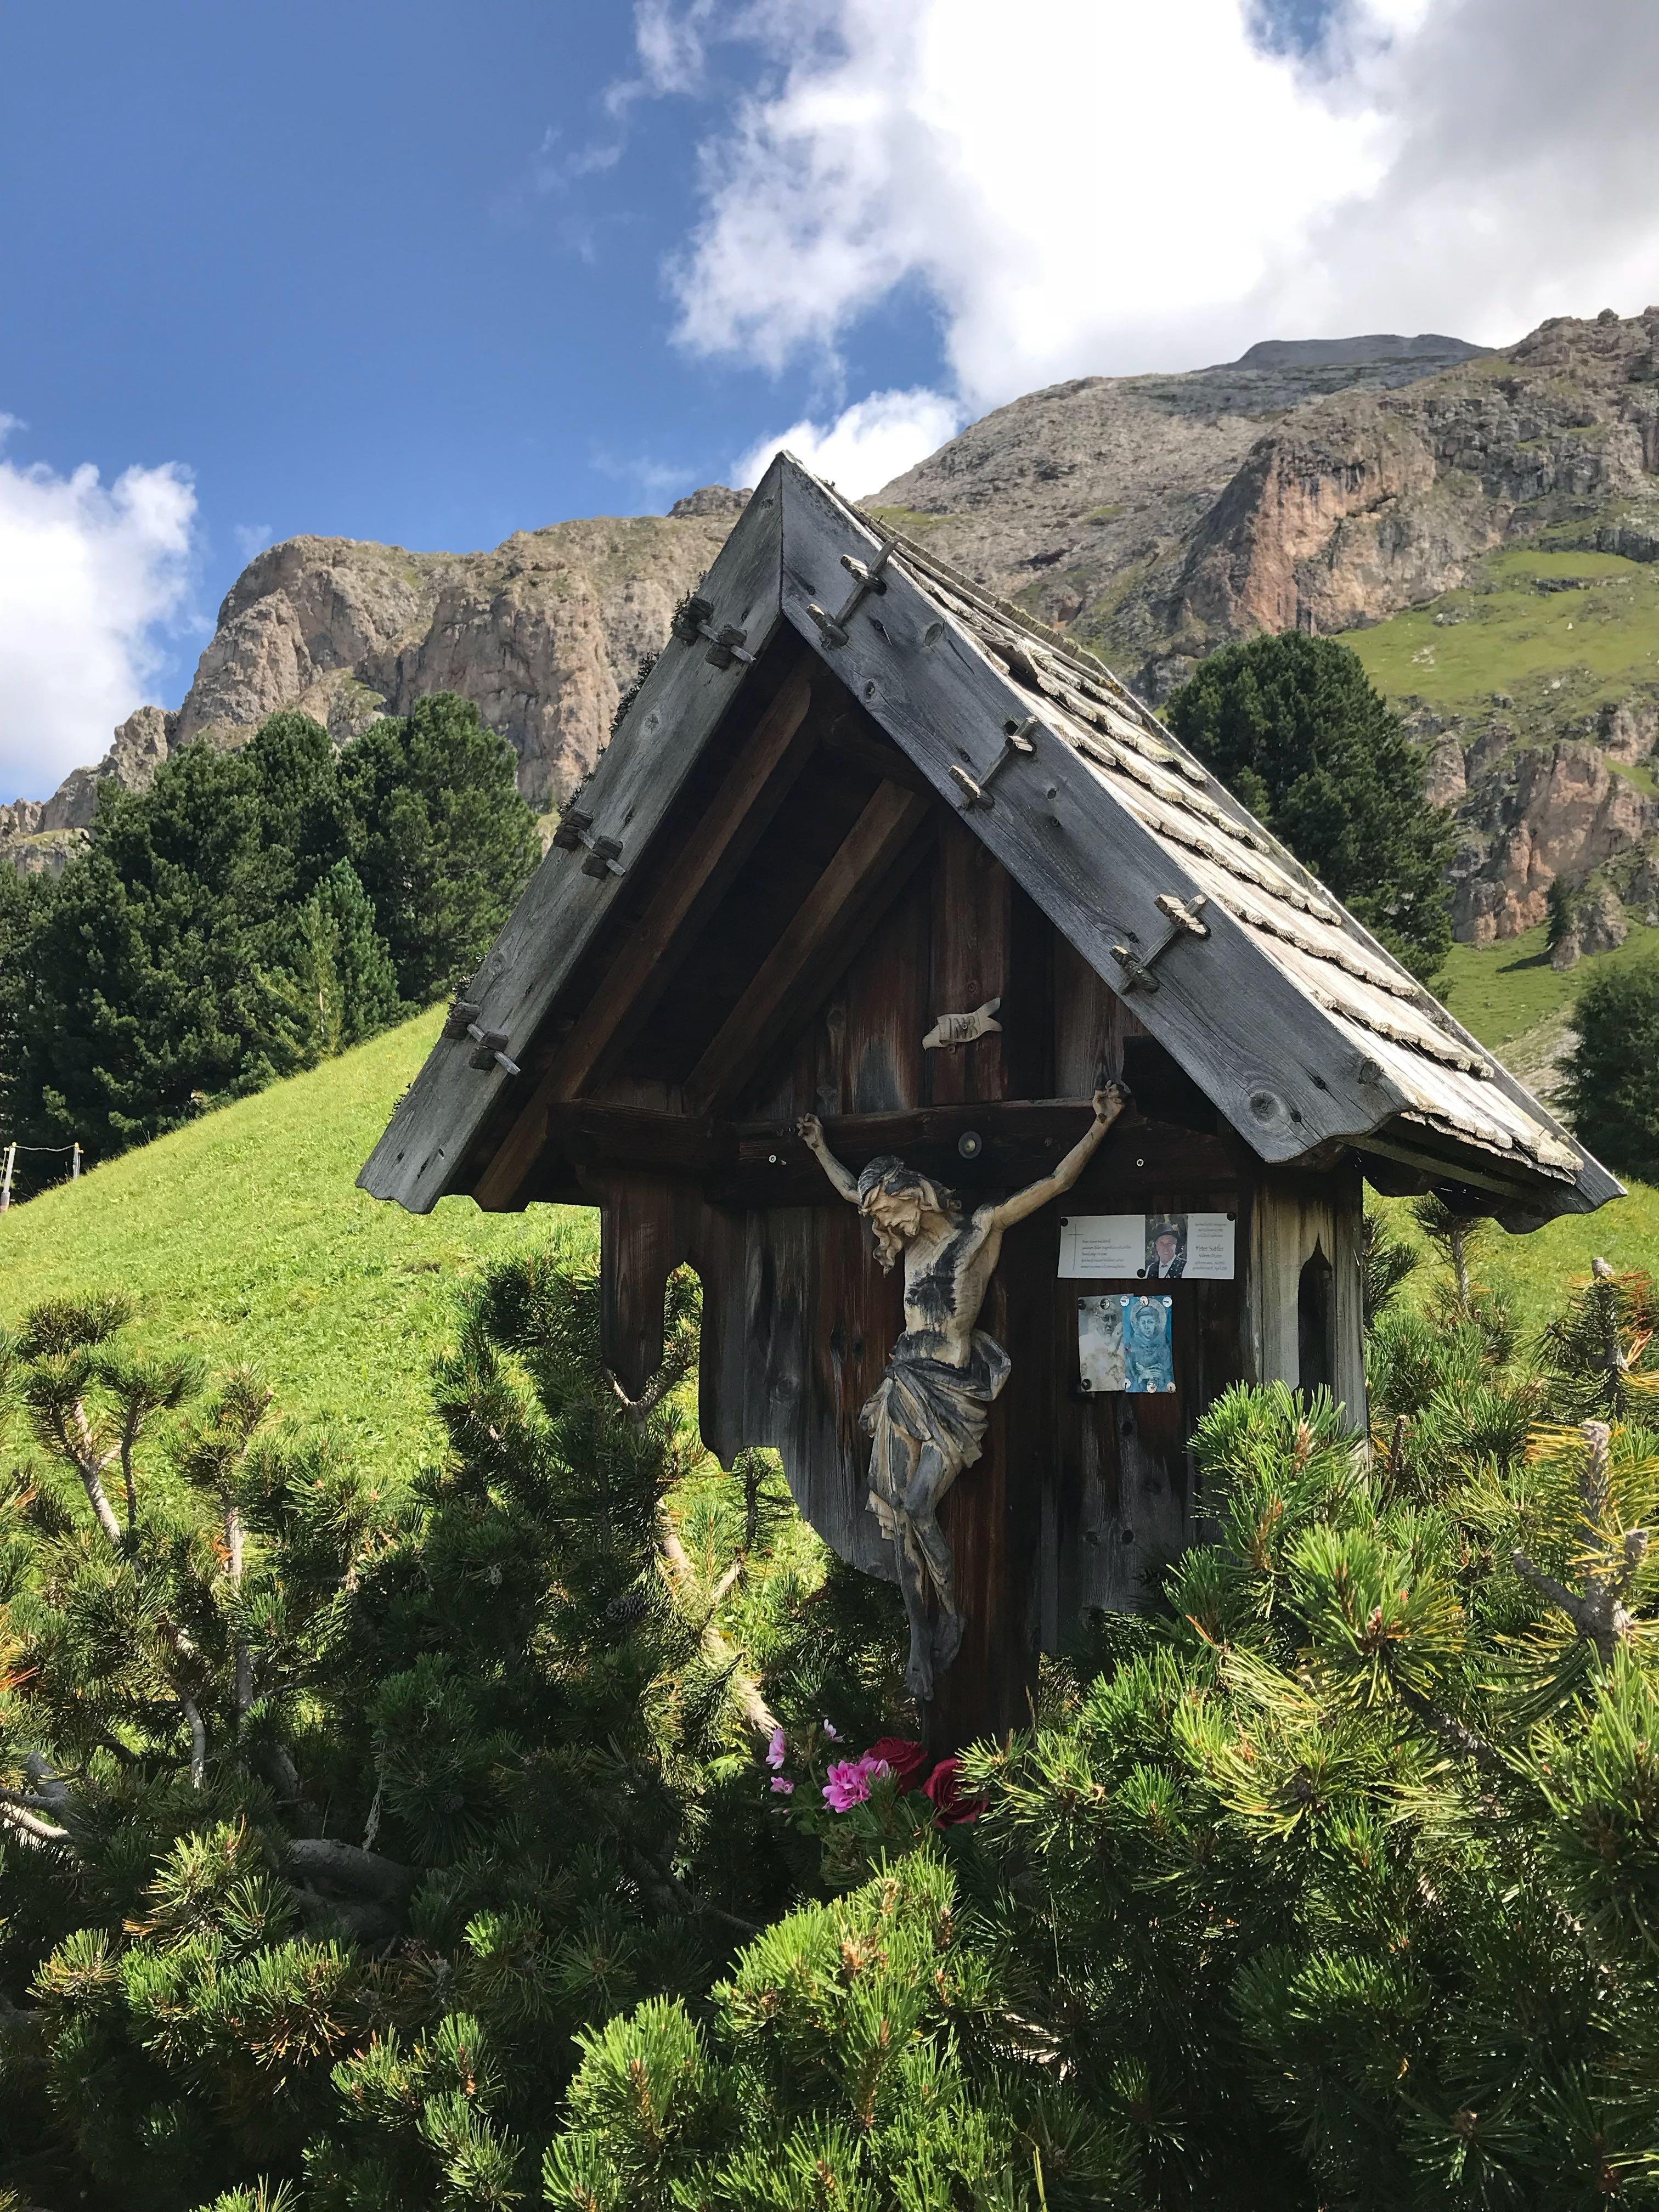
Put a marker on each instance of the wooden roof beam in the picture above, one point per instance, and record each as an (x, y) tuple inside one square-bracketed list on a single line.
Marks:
[(867, 870), (692, 884), (637, 778)]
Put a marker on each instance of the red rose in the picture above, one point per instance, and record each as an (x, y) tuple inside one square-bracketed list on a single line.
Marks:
[(950, 1806), (903, 1757)]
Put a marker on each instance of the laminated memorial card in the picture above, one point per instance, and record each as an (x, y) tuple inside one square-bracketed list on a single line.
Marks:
[(1160, 1247), (1103, 1245)]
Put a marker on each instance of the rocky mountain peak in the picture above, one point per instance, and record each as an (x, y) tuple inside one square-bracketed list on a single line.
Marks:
[(1298, 353), (713, 499), (1436, 504)]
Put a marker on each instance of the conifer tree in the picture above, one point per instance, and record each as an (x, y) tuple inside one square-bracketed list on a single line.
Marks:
[(484, 1874), (442, 842), (251, 912), (1611, 1090), (1294, 726)]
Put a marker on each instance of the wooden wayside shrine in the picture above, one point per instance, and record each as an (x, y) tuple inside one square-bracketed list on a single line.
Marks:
[(856, 797)]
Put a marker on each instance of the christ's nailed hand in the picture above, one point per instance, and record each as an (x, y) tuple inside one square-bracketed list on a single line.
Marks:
[(809, 1130), (1111, 1101)]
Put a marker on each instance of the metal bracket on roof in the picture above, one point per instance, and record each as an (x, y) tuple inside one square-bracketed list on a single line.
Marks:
[(462, 1021), (1017, 738), (832, 629), (695, 619), (575, 830), (1183, 922)]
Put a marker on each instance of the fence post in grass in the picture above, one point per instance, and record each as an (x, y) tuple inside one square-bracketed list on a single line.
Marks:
[(5, 1179), (75, 1163)]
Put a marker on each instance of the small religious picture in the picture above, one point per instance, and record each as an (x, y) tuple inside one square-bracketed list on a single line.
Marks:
[(1148, 1344), (1100, 1343)]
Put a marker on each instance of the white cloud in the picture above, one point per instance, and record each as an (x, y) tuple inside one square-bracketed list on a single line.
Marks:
[(867, 445), (1097, 186), (89, 575), (1091, 191), (251, 537)]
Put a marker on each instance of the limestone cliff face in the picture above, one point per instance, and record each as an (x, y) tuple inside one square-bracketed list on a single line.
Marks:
[(39, 836), (543, 634), (1322, 529), (1322, 485), (1543, 813)]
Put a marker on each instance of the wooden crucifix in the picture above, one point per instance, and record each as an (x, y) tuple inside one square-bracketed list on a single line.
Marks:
[(927, 1417)]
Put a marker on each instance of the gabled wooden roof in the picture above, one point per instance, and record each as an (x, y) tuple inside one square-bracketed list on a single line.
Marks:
[(1301, 1030)]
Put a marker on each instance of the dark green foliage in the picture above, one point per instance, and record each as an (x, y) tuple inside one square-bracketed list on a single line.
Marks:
[(170, 968), (21, 900), (1292, 725), (342, 964), (851, 2059), (1385, 1261), (249, 914), (442, 840), (1612, 1089), (1330, 1884), (1600, 1354), (350, 1813), (175, 1629)]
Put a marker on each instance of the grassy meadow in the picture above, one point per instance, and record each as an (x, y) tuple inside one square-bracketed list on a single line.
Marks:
[(1557, 634), (244, 1237)]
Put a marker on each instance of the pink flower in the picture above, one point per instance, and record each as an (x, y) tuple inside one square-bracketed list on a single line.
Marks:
[(774, 1749), (783, 1785), (833, 1733), (849, 1782)]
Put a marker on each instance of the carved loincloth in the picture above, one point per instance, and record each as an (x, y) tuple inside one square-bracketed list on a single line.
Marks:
[(921, 1400)]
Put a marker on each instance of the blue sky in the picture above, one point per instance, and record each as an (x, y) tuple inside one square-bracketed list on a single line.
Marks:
[(431, 272), (331, 256)]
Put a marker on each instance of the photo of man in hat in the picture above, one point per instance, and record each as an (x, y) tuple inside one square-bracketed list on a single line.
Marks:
[(1166, 1246)]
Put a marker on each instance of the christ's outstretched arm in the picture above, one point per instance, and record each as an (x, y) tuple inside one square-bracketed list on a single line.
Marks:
[(1108, 1104), (809, 1130)]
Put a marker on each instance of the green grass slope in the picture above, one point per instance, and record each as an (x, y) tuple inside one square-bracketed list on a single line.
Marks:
[(1503, 993), (1558, 634), (244, 1237), (1537, 1270)]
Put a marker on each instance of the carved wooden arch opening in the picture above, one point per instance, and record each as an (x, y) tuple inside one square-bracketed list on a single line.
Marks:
[(1315, 1324)]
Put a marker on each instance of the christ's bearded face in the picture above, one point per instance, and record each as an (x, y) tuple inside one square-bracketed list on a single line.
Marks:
[(895, 1217)]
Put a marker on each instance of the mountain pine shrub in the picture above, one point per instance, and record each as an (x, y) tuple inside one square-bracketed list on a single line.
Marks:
[(363, 1851)]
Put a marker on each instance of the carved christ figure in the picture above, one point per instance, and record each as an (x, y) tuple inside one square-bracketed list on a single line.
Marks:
[(927, 1417)]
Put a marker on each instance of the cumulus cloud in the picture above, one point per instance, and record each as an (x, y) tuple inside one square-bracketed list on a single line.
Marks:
[(1101, 187), (867, 445), (90, 574)]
